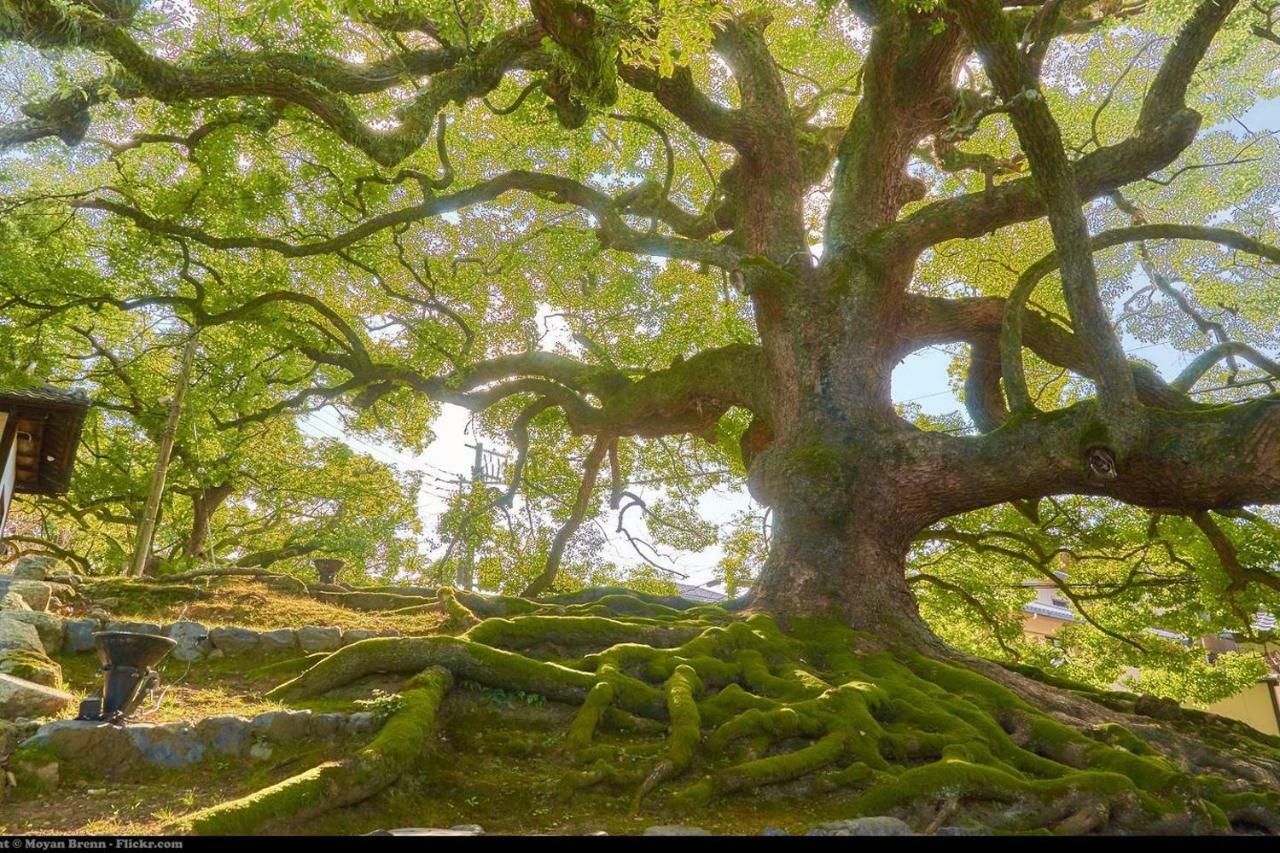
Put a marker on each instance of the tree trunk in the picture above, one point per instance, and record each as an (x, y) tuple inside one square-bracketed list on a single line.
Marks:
[(204, 503), (854, 572), (847, 505), (849, 487)]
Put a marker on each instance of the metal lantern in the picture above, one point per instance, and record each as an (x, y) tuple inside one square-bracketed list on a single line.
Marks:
[(127, 661), (327, 568)]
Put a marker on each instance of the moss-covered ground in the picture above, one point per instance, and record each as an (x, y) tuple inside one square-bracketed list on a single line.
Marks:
[(242, 602), (225, 686), (495, 762), (616, 712)]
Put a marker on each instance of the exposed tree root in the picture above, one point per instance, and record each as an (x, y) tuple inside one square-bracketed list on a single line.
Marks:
[(376, 601), (745, 705), (686, 730), (340, 783)]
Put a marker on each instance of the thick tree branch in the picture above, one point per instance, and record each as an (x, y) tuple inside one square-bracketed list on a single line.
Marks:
[(1203, 363), (318, 84), (1165, 128), (1238, 574), (581, 503), (1011, 334), (982, 395), (1212, 458), (1017, 82), (975, 320), (908, 83), (973, 602), (611, 227)]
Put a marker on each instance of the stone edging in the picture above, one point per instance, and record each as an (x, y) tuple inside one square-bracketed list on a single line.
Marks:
[(196, 641), (103, 751)]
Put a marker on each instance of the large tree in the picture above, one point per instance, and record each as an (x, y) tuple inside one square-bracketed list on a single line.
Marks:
[(747, 216)]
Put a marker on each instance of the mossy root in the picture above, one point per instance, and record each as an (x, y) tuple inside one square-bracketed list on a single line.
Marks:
[(902, 730), (339, 783), (686, 730)]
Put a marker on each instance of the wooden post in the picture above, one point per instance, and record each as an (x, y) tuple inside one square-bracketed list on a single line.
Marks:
[(147, 527)]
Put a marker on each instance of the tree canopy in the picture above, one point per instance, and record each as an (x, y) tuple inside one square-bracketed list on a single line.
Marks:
[(746, 215)]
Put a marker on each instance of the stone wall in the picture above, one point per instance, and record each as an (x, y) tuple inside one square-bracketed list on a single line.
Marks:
[(31, 681), (93, 750), (197, 641)]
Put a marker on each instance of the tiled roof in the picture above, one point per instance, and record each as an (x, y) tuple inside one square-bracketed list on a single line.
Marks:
[(52, 419), (1050, 610), (46, 394), (699, 593)]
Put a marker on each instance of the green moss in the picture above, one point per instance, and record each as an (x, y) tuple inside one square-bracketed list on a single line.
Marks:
[(287, 666), (682, 705), (584, 724), (141, 598), (31, 666), (826, 750), (629, 605), (815, 458), (338, 783), (958, 778), (460, 616), (524, 631), (745, 705), (686, 729), (26, 764)]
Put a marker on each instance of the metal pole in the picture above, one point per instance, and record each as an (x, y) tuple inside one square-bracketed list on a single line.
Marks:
[(466, 566), (147, 527)]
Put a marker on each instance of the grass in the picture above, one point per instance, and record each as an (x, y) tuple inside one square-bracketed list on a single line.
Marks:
[(504, 769), (230, 685), (98, 808), (497, 760), (498, 757), (214, 687), (242, 602)]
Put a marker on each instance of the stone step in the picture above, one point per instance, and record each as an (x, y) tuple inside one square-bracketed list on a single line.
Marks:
[(36, 567), (25, 635), (39, 595)]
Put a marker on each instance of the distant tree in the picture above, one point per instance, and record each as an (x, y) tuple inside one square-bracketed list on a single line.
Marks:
[(249, 495)]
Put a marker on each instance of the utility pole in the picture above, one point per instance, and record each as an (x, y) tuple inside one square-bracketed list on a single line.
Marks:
[(147, 526), (465, 578), (488, 467)]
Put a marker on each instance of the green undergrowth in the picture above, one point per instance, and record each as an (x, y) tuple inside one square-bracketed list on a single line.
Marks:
[(210, 688), (503, 767), (93, 806), (609, 714), (241, 602)]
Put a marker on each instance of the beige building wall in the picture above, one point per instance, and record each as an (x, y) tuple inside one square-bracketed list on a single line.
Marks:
[(1256, 706), (1041, 627)]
